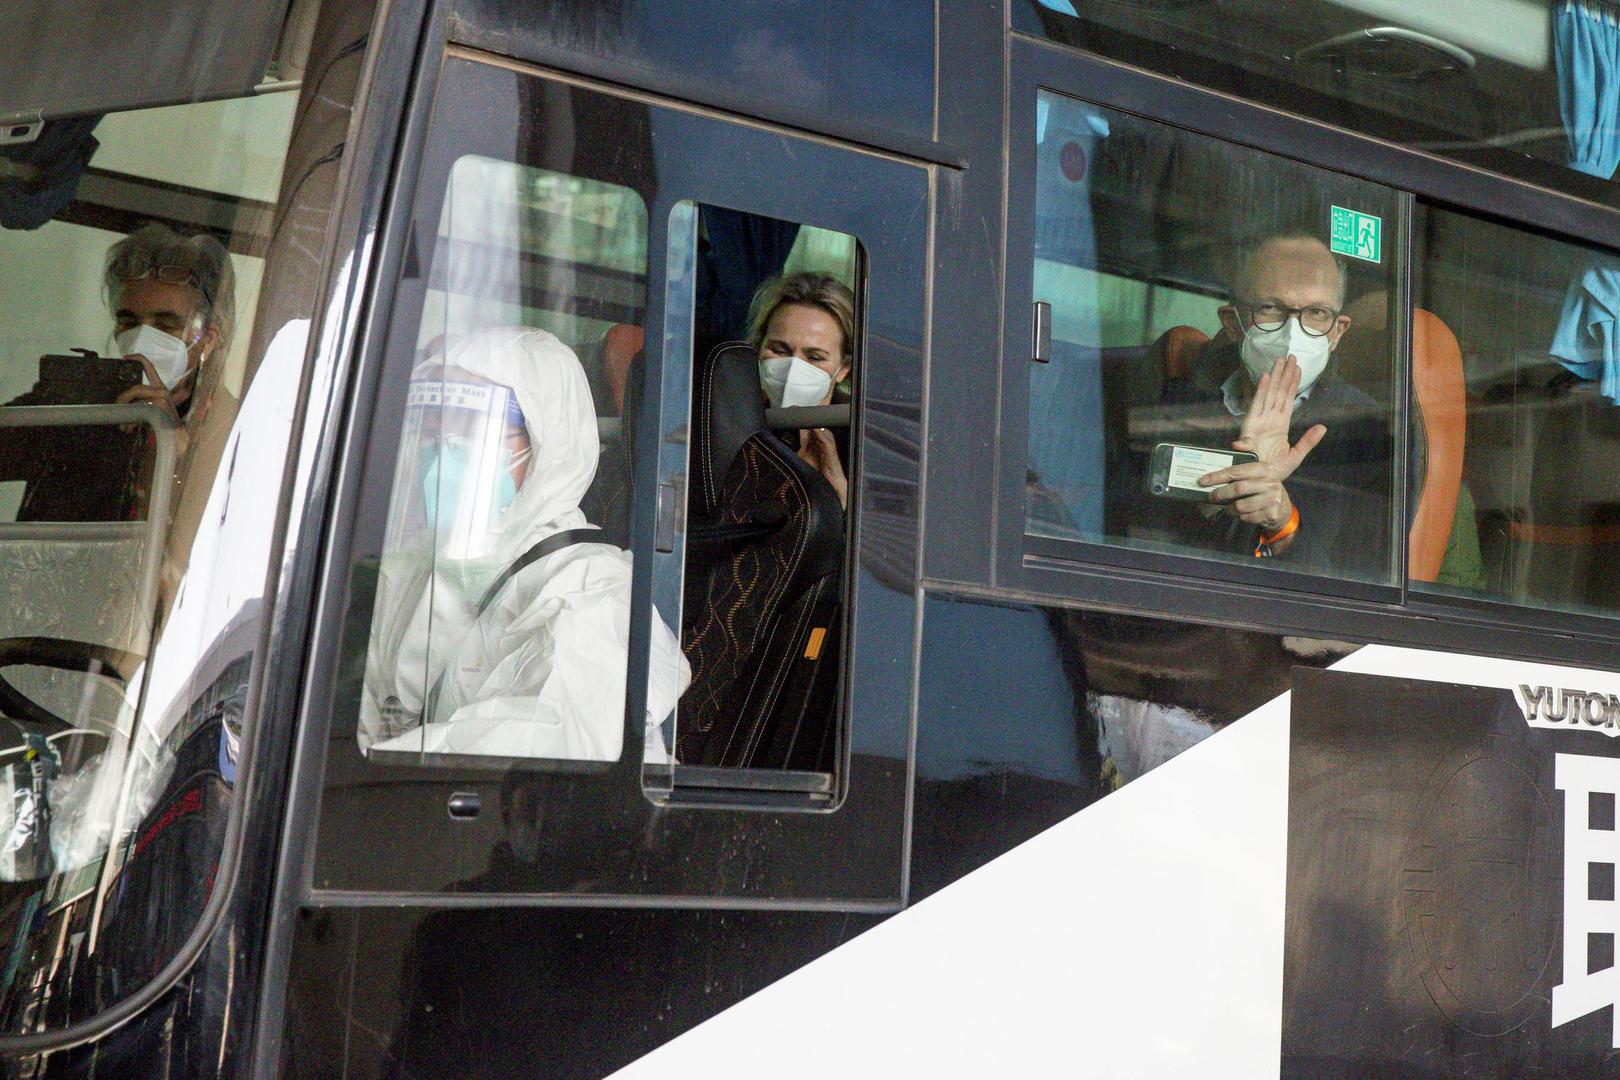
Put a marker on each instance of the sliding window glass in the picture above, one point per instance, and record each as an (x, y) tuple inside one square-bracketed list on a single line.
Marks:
[(1204, 383), (501, 614), (1517, 393), (772, 467)]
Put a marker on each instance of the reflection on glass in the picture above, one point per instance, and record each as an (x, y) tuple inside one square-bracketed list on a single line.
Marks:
[(1198, 397), (502, 613), (1524, 87), (131, 569), (838, 57), (1536, 418)]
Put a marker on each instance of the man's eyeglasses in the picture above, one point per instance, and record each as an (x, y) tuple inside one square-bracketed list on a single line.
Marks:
[(1269, 316)]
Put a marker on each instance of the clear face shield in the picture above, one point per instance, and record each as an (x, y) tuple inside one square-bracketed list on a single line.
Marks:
[(463, 457)]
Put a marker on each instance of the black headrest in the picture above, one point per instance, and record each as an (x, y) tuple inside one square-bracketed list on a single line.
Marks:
[(727, 407)]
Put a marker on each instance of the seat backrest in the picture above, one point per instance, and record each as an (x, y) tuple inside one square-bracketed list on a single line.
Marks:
[(765, 540), (1553, 532), (1439, 392), (617, 394), (620, 346), (1175, 349)]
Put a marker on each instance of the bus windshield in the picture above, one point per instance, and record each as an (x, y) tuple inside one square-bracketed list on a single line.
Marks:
[(137, 377)]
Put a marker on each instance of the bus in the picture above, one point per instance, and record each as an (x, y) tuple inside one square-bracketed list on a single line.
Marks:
[(606, 537)]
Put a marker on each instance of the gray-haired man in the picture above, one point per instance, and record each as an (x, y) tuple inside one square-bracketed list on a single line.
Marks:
[(172, 301)]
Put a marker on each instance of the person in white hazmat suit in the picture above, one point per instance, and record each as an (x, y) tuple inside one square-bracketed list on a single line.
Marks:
[(500, 627)]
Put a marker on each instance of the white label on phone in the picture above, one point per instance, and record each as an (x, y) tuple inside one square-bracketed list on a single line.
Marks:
[(1188, 463)]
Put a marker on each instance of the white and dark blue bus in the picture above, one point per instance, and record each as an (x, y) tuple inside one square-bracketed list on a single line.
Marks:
[(605, 537)]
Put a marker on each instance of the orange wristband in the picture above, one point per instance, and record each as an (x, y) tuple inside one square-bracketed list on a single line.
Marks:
[(1290, 527)]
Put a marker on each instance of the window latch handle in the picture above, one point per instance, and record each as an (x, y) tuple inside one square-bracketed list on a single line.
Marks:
[(1041, 348), (465, 805), (664, 528)]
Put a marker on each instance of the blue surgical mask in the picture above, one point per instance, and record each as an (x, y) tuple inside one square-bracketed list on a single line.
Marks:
[(447, 470)]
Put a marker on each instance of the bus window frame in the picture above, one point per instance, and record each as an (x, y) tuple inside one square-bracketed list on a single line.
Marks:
[(1026, 85), (803, 848), (673, 782), (1199, 589)]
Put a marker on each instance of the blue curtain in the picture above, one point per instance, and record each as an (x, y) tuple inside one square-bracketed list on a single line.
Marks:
[(743, 250), (1586, 341), (1586, 43), (53, 162)]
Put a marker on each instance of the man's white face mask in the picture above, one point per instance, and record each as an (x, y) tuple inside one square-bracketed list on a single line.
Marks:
[(790, 382), (168, 354), (1261, 349)]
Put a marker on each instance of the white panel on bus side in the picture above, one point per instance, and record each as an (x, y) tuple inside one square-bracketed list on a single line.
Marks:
[(1141, 938), (1087, 949)]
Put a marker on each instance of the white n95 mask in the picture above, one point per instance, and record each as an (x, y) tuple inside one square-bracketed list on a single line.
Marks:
[(790, 382), (1261, 349), (169, 355)]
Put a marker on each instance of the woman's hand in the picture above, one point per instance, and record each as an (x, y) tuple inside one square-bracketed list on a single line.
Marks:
[(820, 451)]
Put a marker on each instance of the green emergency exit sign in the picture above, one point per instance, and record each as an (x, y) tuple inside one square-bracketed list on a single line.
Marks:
[(1357, 235)]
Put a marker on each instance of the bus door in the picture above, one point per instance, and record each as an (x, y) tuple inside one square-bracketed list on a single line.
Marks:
[(628, 608)]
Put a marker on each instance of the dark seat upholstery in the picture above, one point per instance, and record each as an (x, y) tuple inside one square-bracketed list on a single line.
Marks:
[(765, 538), (616, 392)]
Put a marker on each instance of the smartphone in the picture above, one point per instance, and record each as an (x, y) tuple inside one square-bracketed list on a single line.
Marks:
[(85, 379), (1176, 468)]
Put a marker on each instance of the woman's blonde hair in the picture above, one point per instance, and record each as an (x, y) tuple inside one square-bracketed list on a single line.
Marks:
[(821, 291)]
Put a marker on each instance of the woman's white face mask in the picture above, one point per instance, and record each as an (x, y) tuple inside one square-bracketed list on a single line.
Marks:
[(791, 382), (1261, 349)]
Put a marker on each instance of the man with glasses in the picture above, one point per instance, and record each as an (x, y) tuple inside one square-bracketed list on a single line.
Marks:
[(172, 299), (173, 304), (1266, 385)]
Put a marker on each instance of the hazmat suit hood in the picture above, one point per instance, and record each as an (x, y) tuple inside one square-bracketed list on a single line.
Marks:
[(560, 417), (539, 671)]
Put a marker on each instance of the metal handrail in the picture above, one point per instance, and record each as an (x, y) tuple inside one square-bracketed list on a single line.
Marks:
[(610, 429), (807, 416), (156, 524)]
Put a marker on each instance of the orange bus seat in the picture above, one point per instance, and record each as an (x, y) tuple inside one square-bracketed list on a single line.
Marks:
[(1441, 398)]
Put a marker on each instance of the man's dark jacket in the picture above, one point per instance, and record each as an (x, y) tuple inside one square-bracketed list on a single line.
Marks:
[(1341, 489)]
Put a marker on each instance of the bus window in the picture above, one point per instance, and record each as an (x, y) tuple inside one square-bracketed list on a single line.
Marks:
[(1190, 399), (1522, 87), (1522, 414), (771, 470), (141, 378), (501, 617), (512, 595)]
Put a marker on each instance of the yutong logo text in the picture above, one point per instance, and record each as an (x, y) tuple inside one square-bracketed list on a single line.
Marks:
[(1591, 787), (1561, 707)]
